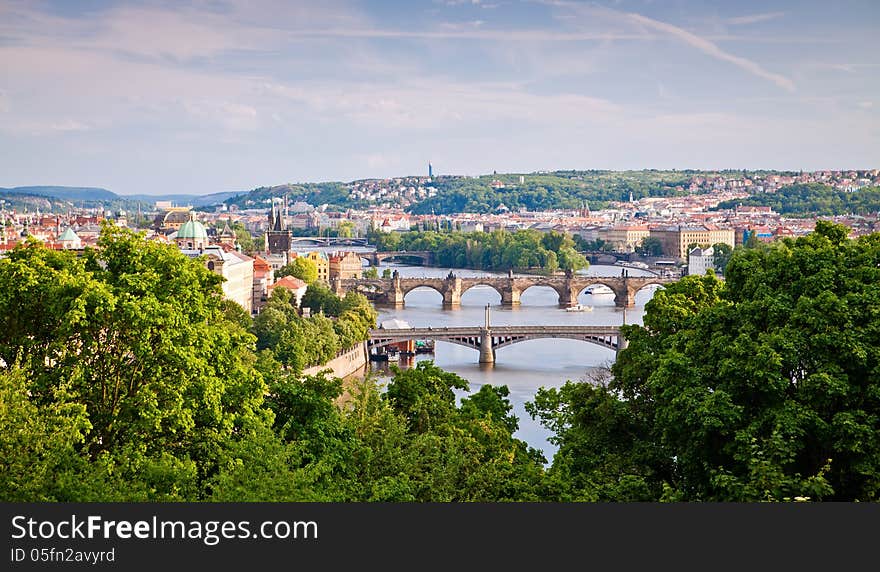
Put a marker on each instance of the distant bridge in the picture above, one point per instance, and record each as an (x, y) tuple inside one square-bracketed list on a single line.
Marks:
[(486, 340), (426, 257), (392, 291), (327, 241)]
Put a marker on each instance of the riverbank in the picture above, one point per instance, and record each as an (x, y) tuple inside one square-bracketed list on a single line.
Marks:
[(344, 364)]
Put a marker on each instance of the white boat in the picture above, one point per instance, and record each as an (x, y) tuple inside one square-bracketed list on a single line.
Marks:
[(599, 289), (579, 308)]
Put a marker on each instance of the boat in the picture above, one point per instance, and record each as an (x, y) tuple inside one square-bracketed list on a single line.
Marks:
[(599, 289), (424, 346), (579, 308)]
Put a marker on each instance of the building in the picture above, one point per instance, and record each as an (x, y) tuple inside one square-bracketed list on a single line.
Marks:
[(192, 235), (296, 286), (171, 218), (69, 240), (320, 260), (624, 238), (227, 235), (278, 236), (345, 265), (700, 260), (264, 277), (677, 240), (236, 268)]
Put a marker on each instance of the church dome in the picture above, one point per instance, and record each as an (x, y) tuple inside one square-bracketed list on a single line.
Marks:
[(192, 229)]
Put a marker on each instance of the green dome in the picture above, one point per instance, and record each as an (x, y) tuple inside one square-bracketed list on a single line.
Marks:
[(193, 229), (68, 235)]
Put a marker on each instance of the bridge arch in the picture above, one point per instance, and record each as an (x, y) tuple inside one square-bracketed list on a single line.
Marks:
[(609, 283), (468, 287), (459, 342), (430, 300), (561, 294), (643, 291), (607, 342), (424, 258)]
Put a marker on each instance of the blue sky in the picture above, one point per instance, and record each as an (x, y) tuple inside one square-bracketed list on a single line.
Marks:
[(218, 95)]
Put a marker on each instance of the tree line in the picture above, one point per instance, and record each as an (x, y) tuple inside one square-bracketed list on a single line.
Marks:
[(125, 376), (497, 250)]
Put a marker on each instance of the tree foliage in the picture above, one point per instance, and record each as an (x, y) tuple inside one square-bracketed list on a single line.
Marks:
[(763, 387), (496, 250), (132, 337), (300, 267)]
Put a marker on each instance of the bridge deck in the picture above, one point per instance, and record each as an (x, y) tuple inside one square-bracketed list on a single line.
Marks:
[(495, 330)]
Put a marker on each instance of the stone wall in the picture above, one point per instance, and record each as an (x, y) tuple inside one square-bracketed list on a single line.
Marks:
[(344, 364)]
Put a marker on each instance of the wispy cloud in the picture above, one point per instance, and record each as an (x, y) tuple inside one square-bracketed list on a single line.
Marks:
[(754, 18), (711, 49)]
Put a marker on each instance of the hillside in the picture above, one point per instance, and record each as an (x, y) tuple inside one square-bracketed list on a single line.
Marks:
[(66, 193), (487, 193), (32, 202), (808, 200), (186, 199)]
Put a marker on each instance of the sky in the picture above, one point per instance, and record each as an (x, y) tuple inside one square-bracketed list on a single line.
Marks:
[(227, 95)]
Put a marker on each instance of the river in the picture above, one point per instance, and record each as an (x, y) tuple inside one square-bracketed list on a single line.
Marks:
[(523, 367)]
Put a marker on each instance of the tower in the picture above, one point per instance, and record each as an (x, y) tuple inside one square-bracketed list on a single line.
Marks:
[(227, 235), (430, 170), (278, 236)]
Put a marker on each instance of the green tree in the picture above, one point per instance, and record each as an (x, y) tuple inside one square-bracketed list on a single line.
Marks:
[(722, 252), (135, 334), (762, 387), (650, 246), (300, 267), (345, 229), (371, 272), (244, 238)]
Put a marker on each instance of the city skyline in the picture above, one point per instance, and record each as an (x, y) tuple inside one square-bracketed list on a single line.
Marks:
[(203, 97)]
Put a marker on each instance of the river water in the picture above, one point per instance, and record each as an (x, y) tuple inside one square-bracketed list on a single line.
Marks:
[(522, 367)]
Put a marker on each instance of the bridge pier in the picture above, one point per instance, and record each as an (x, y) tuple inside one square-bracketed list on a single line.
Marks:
[(624, 298), (487, 352), (571, 297), (452, 293), (622, 344), (510, 296)]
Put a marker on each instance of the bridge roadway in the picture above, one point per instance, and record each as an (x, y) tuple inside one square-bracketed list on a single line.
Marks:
[(487, 340), (392, 291), (328, 241)]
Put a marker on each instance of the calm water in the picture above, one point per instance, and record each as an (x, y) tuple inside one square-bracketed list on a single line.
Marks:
[(522, 367)]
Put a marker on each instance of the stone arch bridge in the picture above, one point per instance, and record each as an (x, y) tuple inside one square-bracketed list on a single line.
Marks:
[(426, 257), (392, 291)]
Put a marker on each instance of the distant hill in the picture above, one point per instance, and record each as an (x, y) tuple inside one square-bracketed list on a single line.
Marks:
[(32, 202), (67, 193), (184, 199), (95, 195)]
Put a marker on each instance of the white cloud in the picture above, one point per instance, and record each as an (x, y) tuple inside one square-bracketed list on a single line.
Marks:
[(754, 18), (69, 125), (712, 50)]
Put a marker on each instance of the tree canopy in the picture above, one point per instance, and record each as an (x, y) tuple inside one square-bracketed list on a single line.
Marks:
[(131, 341), (300, 267), (762, 387), (496, 250)]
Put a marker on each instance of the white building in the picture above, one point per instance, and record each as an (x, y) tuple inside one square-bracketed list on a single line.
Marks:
[(235, 267), (700, 260)]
